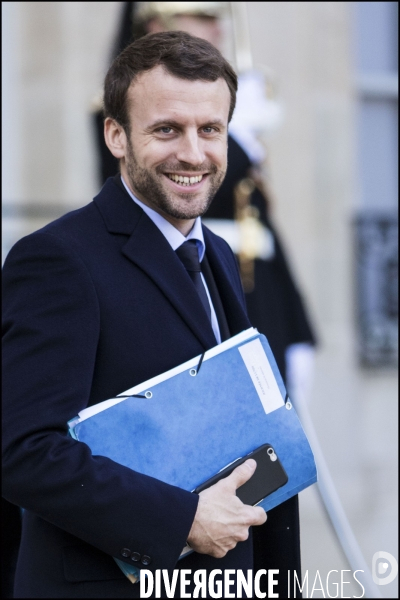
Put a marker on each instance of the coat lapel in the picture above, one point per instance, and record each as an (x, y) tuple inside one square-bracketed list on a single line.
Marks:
[(222, 269), (149, 250)]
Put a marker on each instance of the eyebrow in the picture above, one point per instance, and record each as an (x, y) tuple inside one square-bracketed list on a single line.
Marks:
[(178, 125)]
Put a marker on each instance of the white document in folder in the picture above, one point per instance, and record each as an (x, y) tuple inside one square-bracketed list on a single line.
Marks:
[(142, 387)]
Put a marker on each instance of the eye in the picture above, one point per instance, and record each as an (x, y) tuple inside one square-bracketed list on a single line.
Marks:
[(165, 130), (210, 130)]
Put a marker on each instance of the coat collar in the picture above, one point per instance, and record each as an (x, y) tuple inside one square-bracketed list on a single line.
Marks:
[(119, 212)]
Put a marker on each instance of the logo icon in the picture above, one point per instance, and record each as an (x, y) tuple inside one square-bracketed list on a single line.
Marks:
[(384, 568)]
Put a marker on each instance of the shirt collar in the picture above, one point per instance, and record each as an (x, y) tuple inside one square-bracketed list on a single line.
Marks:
[(171, 233)]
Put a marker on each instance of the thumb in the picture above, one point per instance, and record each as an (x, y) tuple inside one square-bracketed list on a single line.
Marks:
[(242, 473)]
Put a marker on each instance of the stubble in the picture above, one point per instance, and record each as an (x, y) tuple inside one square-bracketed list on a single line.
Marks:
[(184, 205)]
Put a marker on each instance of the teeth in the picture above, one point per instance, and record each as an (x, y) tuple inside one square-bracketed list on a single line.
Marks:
[(185, 180)]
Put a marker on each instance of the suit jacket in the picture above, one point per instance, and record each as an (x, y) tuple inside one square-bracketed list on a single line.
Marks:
[(95, 303)]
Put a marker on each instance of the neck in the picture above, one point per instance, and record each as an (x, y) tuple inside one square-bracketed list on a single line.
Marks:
[(184, 226)]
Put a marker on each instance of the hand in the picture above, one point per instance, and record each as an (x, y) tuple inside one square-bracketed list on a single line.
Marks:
[(222, 520)]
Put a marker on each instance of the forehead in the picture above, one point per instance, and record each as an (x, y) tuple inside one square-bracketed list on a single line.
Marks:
[(156, 94)]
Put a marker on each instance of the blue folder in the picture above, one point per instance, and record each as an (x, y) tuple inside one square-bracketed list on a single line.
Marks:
[(184, 426), (189, 423)]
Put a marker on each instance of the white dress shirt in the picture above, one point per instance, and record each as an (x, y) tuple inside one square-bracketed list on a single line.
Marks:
[(175, 239)]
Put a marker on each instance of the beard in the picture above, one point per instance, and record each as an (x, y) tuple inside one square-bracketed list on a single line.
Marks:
[(180, 205)]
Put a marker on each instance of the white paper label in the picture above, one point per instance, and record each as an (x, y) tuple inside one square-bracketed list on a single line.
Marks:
[(262, 376)]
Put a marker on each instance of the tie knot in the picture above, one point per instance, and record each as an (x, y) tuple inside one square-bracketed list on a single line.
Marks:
[(189, 256)]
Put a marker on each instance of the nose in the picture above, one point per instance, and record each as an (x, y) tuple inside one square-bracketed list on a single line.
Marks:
[(190, 149)]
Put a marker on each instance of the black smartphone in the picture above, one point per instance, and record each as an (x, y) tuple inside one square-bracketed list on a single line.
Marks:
[(268, 476)]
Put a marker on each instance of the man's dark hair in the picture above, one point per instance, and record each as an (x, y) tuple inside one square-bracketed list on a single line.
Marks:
[(181, 54)]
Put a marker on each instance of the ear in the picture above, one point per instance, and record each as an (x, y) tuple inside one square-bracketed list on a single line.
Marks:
[(115, 137)]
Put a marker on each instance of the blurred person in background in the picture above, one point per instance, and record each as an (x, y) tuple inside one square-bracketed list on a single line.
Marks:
[(241, 214)]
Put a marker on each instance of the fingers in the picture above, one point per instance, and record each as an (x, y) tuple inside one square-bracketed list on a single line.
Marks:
[(260, 516), (252, 515), (222, 520), (242, 473)]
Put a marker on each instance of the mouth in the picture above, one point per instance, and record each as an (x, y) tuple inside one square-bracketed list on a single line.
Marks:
[(185, 180)]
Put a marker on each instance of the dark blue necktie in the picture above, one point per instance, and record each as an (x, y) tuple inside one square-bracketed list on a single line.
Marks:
[(189, 256)]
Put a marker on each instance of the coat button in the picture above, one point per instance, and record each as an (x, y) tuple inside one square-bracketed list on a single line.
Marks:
[(135, 556), (125, 552), (146, 560)]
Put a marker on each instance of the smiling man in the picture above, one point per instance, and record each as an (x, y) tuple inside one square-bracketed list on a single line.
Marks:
[(173, 153), (105, 298)]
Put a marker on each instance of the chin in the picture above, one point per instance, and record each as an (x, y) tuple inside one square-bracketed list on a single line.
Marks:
[(191, 212)]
